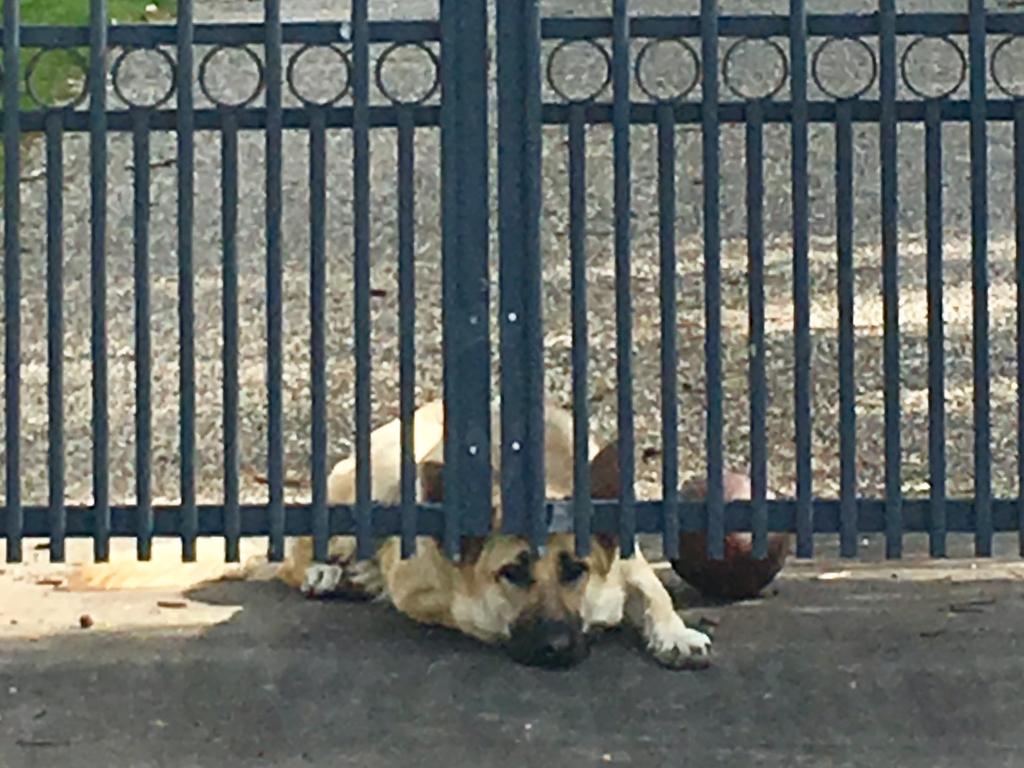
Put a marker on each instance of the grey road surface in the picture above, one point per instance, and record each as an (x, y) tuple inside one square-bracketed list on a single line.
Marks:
[(882, 671)]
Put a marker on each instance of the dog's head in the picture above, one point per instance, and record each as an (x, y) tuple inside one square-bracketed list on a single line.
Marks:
[(537, 598), (532, 600)]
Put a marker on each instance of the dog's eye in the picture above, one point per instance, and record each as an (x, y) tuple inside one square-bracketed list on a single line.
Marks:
[(517, 574), (571, 570)]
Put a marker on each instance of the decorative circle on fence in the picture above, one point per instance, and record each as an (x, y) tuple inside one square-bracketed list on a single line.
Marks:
[(121, 89), (390, 92), (761, 74), (586, 97), (941, 93), (855, 44), (1014, 88), (293, 70), (661, 95), (204, 69), (74, 98)]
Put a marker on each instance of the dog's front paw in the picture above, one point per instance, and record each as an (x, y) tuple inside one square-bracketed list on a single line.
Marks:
[(353, 581), (677, 646), (322, 580), (365, 581)]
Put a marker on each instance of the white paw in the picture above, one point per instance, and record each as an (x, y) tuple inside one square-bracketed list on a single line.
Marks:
[(365, 576), (677, 646), (322, 580)]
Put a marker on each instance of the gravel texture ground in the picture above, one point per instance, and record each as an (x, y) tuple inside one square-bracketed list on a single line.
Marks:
[(232, 78)]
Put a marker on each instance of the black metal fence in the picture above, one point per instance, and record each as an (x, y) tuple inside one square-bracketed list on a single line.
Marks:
[(458, 101)]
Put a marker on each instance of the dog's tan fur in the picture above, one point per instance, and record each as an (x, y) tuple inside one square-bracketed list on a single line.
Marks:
[(430, 588), (470, 596)]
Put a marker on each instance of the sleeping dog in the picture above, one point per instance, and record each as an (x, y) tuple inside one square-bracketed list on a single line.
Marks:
[(541, 607)]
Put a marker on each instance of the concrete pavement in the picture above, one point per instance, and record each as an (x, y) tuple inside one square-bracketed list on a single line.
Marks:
[(847, 665)]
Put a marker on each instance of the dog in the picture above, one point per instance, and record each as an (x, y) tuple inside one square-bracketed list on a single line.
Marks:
[(543, 608)]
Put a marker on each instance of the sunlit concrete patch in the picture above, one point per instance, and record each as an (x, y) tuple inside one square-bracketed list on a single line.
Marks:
[(953, 570), (164, 570), (35, 607), (41, 598)]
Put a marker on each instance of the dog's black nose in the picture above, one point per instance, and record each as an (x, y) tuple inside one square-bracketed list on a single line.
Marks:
[(559, 640), (548, 643)]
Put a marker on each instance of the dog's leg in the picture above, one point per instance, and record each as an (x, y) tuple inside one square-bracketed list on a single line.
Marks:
[(342, 576), (604, 601), (649, 607), (422, 587)]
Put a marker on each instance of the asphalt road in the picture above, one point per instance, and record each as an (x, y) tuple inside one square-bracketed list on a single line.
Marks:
[(825, 673)]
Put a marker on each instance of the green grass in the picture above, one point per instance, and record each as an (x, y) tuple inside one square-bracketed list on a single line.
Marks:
[(57, 75)]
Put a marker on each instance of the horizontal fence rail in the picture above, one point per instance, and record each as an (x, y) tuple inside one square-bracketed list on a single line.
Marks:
[(531, 97), (254, 518)]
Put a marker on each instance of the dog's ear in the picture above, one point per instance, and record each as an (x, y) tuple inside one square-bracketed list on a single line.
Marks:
[(605, 486), (432, 490), (432, 482), (609, 542), (694, 489), (604, 473), (471, 549)]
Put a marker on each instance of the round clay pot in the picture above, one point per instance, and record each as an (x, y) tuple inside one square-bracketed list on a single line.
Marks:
[(738, 575)]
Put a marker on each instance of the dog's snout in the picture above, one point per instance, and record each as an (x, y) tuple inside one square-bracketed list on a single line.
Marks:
[(560, 640), (547, 643)]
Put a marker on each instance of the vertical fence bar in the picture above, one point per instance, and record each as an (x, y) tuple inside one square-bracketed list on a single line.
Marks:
[(55, 329), (582, 506), (275, 369), (229, 309), (1018, 189), (979, 281), (512, 245), (847, 333), (12, 278), (533, 319), (669, 340), (186, 308), (936, 353), (143, 347), (712, 276), (522, 384), (758, 379), (361, 268), (317, 333), (621, 73), (407, 322), (466, 242), (533, 273), (801, 279), (98, 292), (890, 280)]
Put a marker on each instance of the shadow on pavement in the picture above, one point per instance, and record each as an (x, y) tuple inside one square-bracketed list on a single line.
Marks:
[(924, 674)]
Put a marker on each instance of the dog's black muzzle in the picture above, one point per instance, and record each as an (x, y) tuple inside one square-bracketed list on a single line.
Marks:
[(548, 643)]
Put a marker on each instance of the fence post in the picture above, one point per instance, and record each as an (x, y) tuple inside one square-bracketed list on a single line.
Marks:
[(522, 378), (466, 288)]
